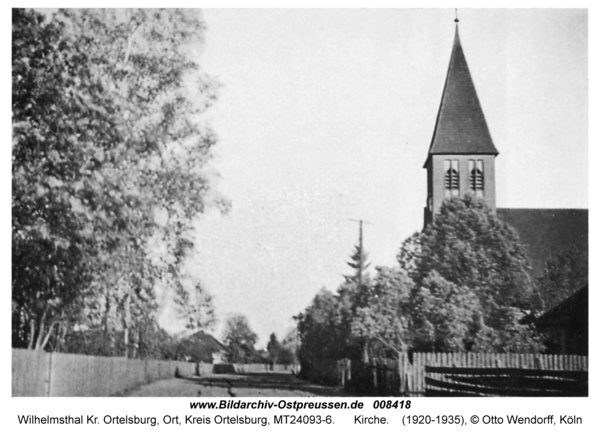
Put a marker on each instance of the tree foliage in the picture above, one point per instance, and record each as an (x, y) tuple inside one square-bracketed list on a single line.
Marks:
[(461, 285), (384, 317), (320, 329), (239, 339), (55, 117), (563, 275), (358, 262), (472, 288), (110, 159), (273, 348), (444, 314), (195, 308)]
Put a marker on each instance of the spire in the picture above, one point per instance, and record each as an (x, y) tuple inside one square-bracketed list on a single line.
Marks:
[(460, 126)]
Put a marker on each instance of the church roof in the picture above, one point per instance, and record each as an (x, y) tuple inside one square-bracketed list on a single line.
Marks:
[(547, 232), (571, 310), (460, 126)]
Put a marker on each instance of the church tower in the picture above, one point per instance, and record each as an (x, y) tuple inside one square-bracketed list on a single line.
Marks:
[(461, 155)]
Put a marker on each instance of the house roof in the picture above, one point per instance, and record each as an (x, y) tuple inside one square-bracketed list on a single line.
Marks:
[(206, 342), (460, 126), (547, 232), (571, 311)]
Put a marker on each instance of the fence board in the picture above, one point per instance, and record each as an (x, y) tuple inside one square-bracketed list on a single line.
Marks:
[(29, 373), (39, 374)]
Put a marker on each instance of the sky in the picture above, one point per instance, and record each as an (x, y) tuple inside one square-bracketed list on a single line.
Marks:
[(325, 116)]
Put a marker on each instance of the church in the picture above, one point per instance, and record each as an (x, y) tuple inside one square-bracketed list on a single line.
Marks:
[(461, 161)]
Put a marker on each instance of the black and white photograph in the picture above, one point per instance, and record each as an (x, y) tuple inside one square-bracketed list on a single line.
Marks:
[(265, 203)]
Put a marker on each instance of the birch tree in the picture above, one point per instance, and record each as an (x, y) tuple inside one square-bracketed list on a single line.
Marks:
[(110, 166)]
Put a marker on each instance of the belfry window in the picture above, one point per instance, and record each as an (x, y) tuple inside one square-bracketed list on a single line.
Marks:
[(476, 180), (451, 178)]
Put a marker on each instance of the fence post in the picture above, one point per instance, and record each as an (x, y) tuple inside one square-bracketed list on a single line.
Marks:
[(349, 369), (373, 376), (402, 371)]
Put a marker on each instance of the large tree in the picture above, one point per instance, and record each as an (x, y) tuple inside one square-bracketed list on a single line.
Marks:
[(110, 161), (384, 317), (195, 307), (239, 340), (273, 348), (472, 289), (61, 126), (321, 332)]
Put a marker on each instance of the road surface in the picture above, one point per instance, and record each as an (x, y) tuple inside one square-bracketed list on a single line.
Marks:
[(237, 385)]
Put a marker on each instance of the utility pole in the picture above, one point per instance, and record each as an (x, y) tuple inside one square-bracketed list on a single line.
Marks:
[(361, 265), (361, 260)]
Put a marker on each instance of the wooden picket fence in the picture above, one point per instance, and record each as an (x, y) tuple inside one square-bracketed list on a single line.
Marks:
[(420, 374), (42, 374), (416, 372)]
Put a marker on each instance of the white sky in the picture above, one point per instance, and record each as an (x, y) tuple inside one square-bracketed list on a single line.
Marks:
[(327, 115)]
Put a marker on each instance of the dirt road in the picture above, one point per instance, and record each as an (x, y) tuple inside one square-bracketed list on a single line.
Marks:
[(237, 385)]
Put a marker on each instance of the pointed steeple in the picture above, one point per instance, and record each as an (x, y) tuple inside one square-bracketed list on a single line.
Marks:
[(461, 156), (460, 126)]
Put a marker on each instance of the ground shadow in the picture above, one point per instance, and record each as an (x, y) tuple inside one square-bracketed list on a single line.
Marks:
[(265, 381)]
